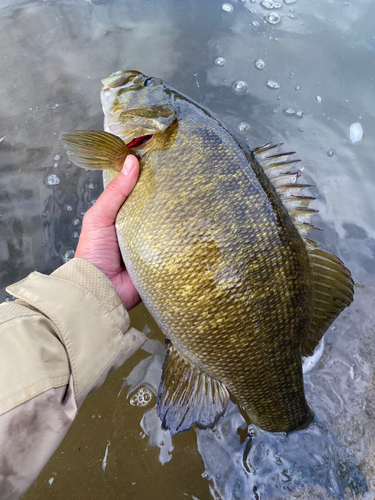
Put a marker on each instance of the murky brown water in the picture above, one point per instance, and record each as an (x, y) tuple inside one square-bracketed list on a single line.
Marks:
[(322, 57)]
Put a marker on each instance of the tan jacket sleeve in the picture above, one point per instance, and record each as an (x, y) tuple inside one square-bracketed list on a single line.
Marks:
[(58, 343)]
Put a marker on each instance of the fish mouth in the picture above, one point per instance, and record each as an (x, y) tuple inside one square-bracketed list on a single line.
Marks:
[(139, 141)]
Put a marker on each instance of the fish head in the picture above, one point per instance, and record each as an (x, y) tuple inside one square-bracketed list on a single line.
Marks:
[(136, 107)]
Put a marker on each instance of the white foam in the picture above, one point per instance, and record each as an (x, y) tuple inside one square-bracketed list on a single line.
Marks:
[(311, 361), (355, 132), (104, 464)]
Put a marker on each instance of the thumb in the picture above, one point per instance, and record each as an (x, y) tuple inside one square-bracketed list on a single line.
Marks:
[(105, 209)]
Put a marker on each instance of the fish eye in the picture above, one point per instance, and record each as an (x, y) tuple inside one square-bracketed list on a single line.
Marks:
[(148, 82)]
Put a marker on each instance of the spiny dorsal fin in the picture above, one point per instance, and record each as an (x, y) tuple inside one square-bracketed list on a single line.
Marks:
[(187, 395), (333, 291), (279, 168), (94, 149), (332, 282)]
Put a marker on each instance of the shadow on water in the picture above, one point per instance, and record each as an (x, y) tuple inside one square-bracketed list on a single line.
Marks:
[(321, 56)]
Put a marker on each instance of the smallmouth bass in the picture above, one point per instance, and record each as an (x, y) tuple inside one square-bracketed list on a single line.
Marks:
[(215, 239)]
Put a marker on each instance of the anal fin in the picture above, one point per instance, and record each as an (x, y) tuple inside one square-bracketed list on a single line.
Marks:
[(187, 395), (332, 292)]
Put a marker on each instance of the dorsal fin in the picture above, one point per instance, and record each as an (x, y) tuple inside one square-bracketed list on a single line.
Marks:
[(187, 395), (279, 168), (332, 282)]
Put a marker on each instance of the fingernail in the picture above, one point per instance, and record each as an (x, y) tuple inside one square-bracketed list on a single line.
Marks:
[(128, 166)]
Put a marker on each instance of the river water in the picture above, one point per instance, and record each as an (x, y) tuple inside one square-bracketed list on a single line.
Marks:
[(309, 70)]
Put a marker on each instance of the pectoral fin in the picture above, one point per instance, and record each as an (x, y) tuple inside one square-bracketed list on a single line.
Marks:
[(95, 150), (187, 395), (333, 291)]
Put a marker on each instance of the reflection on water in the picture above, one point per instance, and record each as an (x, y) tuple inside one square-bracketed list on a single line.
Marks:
[(309, 85)]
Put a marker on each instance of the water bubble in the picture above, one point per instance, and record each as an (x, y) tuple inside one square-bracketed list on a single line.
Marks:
[(355, 132), (289, 1), (55, 164), (142, 398), (259, 64), (69, 208), (239, 87), (53, 180), (68, 254), (298, 87), (271, 84), (255, 24), (293, 112), (76, 222), (227, 7), (57, 157), (91, 185), (331, 152), (243, 126), (318, 98), (220, 61), (273, 18), (270, 4)]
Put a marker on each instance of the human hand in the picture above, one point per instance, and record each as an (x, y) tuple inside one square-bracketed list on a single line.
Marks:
[(98, 241)]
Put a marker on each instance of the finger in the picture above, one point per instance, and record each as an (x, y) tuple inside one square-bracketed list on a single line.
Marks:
[(114, 195)]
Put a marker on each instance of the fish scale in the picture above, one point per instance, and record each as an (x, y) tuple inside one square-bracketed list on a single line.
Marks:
[(177, 322), (214, 237)]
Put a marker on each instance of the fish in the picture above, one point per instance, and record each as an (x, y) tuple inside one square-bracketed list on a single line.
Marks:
[(215, 237)]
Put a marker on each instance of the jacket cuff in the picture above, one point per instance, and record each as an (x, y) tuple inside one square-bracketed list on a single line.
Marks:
[(89, 318)]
